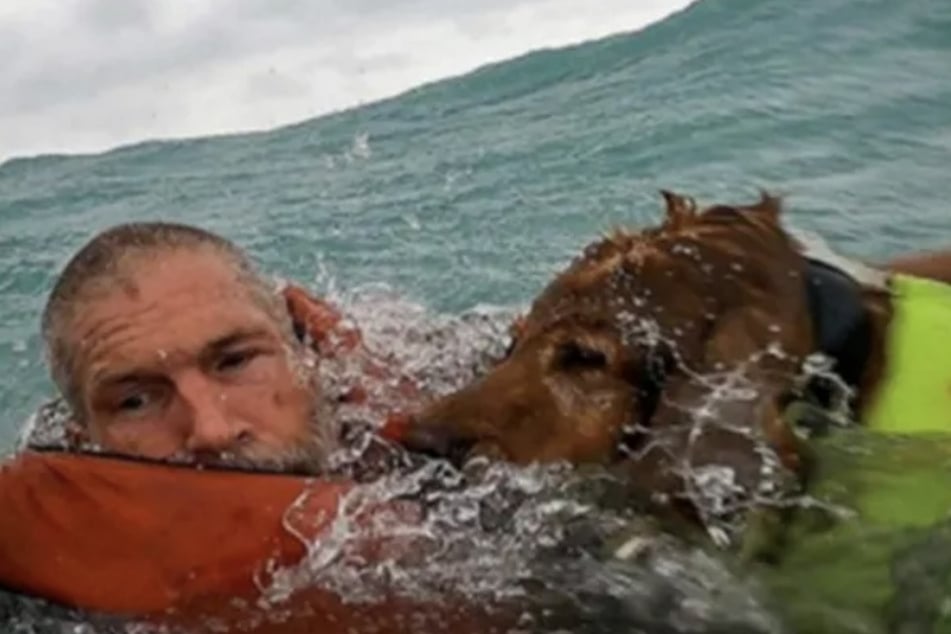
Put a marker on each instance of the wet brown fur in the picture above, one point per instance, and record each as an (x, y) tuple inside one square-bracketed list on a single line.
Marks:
[(718, 288)]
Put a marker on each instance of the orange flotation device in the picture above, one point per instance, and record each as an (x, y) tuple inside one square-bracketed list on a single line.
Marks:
[(176, 545), (135, 537)]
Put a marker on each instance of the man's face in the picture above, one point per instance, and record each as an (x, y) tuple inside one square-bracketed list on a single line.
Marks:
[(177, 359)]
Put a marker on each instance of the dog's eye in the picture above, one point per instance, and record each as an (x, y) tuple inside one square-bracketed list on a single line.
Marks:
[(574, 356)]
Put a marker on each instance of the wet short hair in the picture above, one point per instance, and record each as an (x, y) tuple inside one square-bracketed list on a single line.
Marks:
[(100, 264)]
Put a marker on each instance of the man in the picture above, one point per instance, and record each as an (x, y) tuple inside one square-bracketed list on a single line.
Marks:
[(166, 343)]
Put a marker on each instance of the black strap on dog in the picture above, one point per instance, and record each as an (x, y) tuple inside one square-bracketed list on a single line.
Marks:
[(840, 321)]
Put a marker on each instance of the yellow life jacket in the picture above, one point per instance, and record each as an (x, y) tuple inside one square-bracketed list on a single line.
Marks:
[(915, 395)]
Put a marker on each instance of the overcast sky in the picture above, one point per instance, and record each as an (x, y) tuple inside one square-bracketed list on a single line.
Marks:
[(87, 75)]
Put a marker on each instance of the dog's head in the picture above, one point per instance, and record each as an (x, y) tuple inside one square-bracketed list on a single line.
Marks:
[(668, 345)]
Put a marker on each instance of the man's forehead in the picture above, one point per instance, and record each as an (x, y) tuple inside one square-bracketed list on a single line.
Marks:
[(181, 270), (180, 329), (180, 303)]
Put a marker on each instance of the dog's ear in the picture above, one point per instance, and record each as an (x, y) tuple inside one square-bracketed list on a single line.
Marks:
[(696, 424), (680, 209), (770, 376), (769, 206)]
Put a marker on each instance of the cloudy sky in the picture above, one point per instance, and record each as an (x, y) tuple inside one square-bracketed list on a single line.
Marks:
[(87, 75)]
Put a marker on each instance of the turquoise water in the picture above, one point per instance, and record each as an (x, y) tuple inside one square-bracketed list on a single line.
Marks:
[(474, 190)]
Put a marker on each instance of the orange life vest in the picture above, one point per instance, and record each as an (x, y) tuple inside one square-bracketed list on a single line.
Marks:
[(177, 545)]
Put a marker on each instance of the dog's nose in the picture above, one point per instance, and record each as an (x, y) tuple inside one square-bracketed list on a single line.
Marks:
[(425, 439), (437, 441)]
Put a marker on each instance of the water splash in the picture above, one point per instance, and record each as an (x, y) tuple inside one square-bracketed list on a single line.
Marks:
[(724, 497), (537, 539)]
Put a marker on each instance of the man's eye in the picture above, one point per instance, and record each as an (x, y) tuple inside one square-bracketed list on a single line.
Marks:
[(134, 403), (232, 361)]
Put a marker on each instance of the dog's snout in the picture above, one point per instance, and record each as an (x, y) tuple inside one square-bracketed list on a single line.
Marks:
[(425, 439), (437, 441)]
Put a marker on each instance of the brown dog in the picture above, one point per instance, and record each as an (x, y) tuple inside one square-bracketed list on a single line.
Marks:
[(672, 351)]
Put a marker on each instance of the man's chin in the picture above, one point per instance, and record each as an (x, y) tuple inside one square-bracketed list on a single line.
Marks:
[(301, 460)]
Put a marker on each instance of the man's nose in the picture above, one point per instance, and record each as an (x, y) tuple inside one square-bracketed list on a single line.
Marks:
[(212, 428)]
